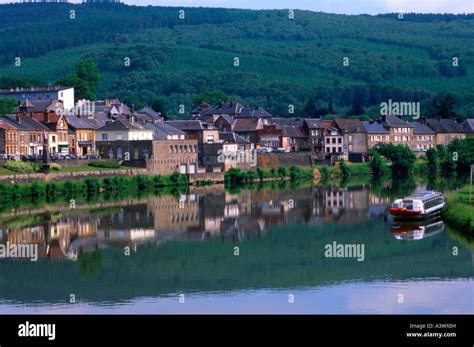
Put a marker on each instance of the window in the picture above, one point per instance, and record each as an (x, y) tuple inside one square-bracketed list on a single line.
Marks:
[(328, 140), (53, 138), (333, 140), (119, 136), (104, 137), (350, 138), (339, 140)]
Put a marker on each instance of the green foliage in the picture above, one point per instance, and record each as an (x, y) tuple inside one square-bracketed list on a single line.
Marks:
[(21, 166), (158, 106), (109, 164), (401, 156), (345, 171), (282, 62), (432, 157), (7, 105), (459, 213), (55, 167), (212, 97), (377, 165), (85, 80)]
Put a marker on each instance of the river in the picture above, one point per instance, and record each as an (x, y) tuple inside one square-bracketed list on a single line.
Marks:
[(276, 248)]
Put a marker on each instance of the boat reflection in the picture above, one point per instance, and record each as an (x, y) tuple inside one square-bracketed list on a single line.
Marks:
[(416, 230)]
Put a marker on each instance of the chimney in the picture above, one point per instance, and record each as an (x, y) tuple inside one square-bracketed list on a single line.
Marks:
[(423, 120), (133, 108), (18, 119)]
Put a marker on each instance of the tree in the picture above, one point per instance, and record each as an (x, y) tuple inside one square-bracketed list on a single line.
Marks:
[(212, 97), (401, 156), (432, 156), (157, 105), (443, 105), (7, 105), (84, 79), (377, 165)]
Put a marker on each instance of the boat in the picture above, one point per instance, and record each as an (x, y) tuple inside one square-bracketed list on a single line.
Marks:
[(418, 206)]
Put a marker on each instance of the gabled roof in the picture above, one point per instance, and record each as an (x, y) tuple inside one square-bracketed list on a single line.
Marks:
[(350, 125), (393, 121), (246, 124), (4, 124), (161, 130), (84, 122), (254, 112), (445, 126), (292, 131), (40, 106), (149, 112), (26, 123), (229, 119), (468, 125), (373, 127), (420, 128), (121, 124), (189, 125), (231, 137), (313, 123)]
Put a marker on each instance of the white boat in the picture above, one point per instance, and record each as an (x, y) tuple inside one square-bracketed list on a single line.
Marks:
[(420, 205)]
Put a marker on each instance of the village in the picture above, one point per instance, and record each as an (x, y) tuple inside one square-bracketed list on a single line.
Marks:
[(213, 138)]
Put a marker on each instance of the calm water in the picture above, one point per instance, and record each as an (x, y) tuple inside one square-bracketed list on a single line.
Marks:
[(250, 251)]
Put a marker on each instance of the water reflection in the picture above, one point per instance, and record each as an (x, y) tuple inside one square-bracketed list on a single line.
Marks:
[(186, 244)]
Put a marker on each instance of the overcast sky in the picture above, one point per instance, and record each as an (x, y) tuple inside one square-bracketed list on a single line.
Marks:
[(332, 6)]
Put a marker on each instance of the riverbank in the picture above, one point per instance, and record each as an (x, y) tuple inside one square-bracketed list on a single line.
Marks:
[(459, 211)]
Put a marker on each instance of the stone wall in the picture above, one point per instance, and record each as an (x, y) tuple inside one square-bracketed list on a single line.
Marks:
[(54, 176), (275, 160), (208, 176)]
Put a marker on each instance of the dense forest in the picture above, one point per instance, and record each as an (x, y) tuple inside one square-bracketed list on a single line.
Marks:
[(320, 63)]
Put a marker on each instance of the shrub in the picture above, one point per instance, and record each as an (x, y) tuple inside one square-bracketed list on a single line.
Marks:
[(282, 172), (110, 164), (21, 166), (55, 167), (324, 172)]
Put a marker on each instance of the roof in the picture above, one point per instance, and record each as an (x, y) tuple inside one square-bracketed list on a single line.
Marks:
[(162, 130), (420, 128), (373, 127), (424, 196), (4, 124), (26, 122), (19, 90), (246, 124), (350, 125), (84, 122), (40, 106), (445, 126), (254, 112), (393, 121), (229, 119), (313, 123), (288, 121), (149, 112), (189, 125), (292, 131), (122, 124), (230, 137), (468, 125)]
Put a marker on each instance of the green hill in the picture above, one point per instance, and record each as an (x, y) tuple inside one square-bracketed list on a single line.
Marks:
[(282, 61)]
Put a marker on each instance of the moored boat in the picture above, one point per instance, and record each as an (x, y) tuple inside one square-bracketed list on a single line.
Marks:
[(417, 206)]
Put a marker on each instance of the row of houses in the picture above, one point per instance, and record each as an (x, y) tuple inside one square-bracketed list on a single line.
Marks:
[(214, 139)]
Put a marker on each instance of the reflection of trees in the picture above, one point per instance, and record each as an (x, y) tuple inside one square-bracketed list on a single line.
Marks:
[(90, 264)]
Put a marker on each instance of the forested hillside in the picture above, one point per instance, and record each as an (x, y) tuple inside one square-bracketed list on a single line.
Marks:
[(281, 61)]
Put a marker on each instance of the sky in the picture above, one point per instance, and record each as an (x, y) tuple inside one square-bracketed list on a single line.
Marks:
[(331, 6)]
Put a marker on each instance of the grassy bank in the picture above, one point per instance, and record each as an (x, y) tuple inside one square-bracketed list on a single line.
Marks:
[(459, 213), (89, 187), (345, 170)]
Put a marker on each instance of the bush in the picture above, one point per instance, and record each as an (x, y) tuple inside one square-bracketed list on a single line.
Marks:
[(282, 172), (55, 167), (110, 164), (324, 172), (21, 166)]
